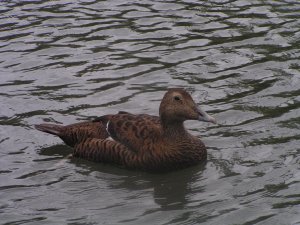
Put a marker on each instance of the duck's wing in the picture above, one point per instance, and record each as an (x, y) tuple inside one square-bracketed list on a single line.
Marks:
[(136, 132), (75, 133)]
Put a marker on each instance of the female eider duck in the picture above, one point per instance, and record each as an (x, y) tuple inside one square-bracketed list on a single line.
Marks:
[(141, 142)]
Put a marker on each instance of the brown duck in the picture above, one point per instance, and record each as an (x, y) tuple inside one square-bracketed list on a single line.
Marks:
[(140, 141)]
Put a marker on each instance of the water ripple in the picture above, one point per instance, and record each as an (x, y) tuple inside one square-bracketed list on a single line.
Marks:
[(66, 61)]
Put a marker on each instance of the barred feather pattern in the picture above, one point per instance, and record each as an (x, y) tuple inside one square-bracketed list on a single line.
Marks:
[(112, 152)]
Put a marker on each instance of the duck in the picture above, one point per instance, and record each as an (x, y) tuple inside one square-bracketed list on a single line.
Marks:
[(140, 141)]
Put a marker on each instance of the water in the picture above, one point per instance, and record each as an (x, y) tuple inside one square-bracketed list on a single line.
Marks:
[(66, 61)]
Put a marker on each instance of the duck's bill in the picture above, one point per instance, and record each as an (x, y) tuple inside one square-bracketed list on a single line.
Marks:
[(203, 116)]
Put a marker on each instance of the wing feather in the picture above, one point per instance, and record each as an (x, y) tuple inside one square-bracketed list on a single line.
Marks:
[(136, 132)]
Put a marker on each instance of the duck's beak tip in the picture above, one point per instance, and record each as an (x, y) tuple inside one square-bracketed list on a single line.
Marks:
[(213, 120)]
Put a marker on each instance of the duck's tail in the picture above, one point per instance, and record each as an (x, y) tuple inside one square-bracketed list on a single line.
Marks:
[(49, 128), (75, 133)]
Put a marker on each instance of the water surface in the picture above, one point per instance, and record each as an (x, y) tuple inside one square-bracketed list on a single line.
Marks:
[(66, 61)]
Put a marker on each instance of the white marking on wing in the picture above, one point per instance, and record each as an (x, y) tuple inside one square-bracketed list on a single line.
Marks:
[(107, 124)]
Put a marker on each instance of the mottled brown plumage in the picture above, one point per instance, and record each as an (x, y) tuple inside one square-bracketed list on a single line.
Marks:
[(141, 141)]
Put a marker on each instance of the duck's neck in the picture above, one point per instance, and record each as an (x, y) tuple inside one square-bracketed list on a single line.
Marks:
[(174, 129)]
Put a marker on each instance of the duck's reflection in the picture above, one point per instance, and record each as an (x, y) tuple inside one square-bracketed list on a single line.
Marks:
[(171, 190)]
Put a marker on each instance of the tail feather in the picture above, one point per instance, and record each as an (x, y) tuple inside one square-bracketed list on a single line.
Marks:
[(49, 128)]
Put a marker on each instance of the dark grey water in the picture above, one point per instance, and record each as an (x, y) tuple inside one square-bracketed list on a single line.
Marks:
[(64, 61)]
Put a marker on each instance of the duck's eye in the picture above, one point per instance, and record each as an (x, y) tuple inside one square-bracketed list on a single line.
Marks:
[(177, 98)]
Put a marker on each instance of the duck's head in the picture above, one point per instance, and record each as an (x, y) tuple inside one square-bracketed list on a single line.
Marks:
[(178, 105)]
